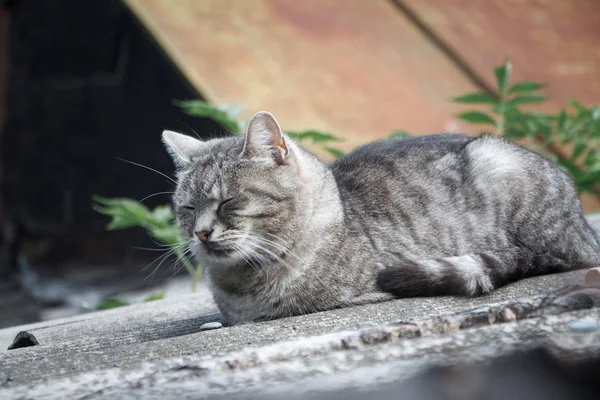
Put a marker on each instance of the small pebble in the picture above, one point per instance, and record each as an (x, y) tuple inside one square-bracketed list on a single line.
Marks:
[(210, 326), (592, 276), (584, 325)]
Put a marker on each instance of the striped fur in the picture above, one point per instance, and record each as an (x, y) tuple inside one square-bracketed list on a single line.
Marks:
[(434, 215)]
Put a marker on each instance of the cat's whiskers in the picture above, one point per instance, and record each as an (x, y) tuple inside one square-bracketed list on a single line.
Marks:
[(276, 239), (151, 249), (282, 247), (169, 246), (168, 252), (244, 235), (154, 194), (179, 264), (250, 256), (160, 260), (247, 260), (261, 248), (150, 169), (256, 240)]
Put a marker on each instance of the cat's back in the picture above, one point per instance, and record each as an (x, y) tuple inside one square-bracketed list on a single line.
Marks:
[(433, 172), (412, 153)]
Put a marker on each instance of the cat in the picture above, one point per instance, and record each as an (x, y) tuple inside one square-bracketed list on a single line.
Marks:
[(281, 234)]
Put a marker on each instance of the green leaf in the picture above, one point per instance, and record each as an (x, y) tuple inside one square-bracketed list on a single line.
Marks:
[(503, 74), (110, 303), (527, 98), (514, 133), (125, 213), (477, 117), (577, 150), (399, 134), (525, 86), (163, 214), (578, 106), (592, 158), (589, 177), (158, 223), (337, 153), (316, 136), (166, 235), (561, 120), (233, 110), (476, 98), (202, 109), (594, 169), (154, 297)]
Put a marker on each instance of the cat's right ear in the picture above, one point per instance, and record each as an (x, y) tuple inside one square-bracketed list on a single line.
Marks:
[(181, 147), (264, 138)]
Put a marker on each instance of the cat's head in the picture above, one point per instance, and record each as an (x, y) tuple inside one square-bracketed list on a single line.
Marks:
[(240, 198)]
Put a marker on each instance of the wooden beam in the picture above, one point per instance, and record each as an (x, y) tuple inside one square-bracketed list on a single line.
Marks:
[(556, 42), (355, 68)]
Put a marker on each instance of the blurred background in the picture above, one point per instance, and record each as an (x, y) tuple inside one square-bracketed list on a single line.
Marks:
[(84, 84)]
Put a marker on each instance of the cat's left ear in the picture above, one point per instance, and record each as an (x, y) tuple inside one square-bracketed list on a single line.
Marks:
[(181, 147), (264, 138)]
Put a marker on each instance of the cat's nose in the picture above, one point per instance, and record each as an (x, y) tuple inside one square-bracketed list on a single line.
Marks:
[(203, 235)]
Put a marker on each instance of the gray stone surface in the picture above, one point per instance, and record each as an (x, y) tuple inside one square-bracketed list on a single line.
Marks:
[(100, 351), (362, 358)]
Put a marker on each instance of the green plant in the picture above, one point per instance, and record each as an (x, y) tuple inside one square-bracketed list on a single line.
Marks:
[(399, 134), (107, 304), (227, 115), (319, 139), (129, 213), (570, 137)]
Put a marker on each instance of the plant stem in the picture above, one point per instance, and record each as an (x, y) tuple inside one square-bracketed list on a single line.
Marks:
[(501, 111), (188, 266), (196, 276)]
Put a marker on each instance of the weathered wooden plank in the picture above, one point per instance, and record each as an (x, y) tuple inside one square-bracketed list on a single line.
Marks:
[(478, 334), (556, 42), (355, 68), (120, 326), (154, 331)]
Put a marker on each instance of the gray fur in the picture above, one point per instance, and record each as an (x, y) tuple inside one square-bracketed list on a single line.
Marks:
[(434, 215)]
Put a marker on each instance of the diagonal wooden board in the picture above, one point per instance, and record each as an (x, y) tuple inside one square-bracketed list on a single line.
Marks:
[(557, 42), (355, 68)]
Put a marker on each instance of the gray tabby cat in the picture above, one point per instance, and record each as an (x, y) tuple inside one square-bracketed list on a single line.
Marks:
[(282, 234)]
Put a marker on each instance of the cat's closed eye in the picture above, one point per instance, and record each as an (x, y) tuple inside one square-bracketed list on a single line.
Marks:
[(188, 207), (222, 204)]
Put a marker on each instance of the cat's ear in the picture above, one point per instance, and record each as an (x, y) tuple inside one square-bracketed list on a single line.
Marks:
[(264, 138), (181, 147)]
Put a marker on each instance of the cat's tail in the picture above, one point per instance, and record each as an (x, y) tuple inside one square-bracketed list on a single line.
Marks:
[(470, 274)]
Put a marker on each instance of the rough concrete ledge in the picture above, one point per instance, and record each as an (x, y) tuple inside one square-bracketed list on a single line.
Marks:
[(360, 357), (157, 350)]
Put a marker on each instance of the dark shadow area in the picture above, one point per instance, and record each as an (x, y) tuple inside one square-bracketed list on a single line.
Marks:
[(176, 328), (87, 85)]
